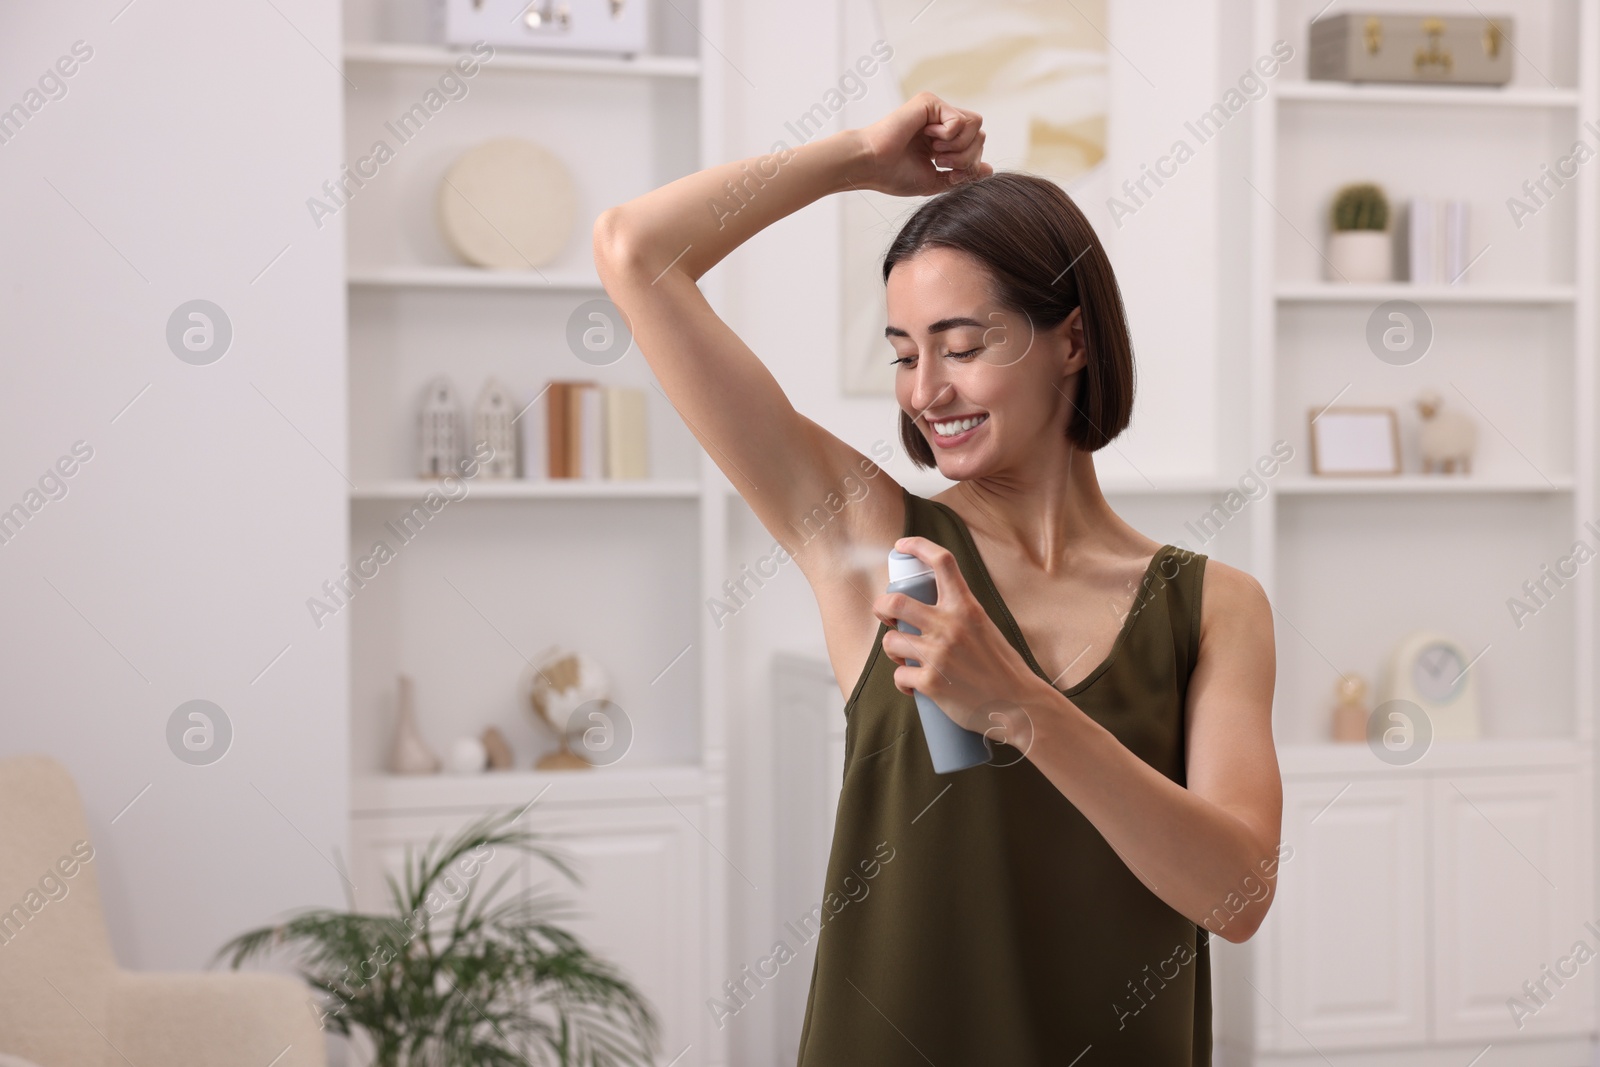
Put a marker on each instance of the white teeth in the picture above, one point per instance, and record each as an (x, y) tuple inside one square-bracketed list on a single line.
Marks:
[(949, 429)]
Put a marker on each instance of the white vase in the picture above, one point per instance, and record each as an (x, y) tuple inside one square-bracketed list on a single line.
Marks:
[(1360, 256), (410, 754)]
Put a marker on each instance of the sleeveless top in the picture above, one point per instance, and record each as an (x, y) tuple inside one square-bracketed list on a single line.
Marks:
[(978, 918)]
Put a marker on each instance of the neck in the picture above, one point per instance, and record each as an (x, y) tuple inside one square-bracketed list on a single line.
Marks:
[(1050, 513)]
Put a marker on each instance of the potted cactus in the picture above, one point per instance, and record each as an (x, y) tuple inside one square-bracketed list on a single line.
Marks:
[(1359, 249)]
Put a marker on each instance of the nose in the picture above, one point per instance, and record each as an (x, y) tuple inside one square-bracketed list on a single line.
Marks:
[(930, 388)]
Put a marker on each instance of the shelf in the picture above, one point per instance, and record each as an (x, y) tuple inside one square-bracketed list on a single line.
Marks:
[(1119, 486), (551, 489), (389, 794), (417, 55), (1167, 487), (474, 278), (1330, 92), (1420, 484), (1335, 485), (1343, 292), (1357, 760)]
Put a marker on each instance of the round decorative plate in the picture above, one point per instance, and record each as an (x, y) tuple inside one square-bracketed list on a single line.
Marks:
[(507, 204)]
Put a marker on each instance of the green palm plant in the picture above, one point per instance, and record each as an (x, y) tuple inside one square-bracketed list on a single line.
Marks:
[(488, 984)]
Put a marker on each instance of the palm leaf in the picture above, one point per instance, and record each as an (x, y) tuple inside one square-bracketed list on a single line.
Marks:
[(502, 982)]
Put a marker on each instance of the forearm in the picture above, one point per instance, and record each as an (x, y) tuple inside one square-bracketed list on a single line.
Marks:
[(1203, 861), (692, 223)]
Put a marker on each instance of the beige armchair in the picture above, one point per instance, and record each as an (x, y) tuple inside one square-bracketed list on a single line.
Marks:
[(63, 1000)]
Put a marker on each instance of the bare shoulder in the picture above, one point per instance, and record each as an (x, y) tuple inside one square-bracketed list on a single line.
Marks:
[(1232, 758), (1236, 669), (1233, 604)]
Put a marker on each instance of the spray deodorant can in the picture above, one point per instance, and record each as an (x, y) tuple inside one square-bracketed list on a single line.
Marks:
[(954, 748)]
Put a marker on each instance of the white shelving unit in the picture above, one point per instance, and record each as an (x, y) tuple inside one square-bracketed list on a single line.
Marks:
[(432, 56), (1351, 293), (471, 278), (553, 489), (1310, 92), (1424, 485), (1420, 897), (614, 569)]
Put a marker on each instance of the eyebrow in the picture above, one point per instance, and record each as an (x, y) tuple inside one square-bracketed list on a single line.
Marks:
[(938, 327)]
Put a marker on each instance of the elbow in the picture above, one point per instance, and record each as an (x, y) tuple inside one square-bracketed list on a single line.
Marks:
[(1242, 928), (607, 233), (612, 243), (1244, 904), (1237, 927)]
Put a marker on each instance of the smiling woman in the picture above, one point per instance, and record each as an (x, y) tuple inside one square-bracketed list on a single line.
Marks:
[(1119, 810), (1010, 230)]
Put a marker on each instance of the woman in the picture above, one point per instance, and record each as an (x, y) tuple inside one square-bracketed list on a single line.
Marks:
[(1058, 899)]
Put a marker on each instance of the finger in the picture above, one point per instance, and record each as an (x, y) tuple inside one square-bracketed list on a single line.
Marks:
[(934, 111), (959, 174), (965, 132), (907, 679), (900, 646), (967, 160), (946, 120), (946, 571), (891, 608), (972, 174)]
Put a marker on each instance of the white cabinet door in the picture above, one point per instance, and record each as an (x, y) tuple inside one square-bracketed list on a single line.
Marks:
[(640, 904), (1346, 936), (1512, 899), (808, 769), (380, 847)]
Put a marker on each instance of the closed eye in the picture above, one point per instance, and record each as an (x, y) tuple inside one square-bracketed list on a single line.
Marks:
[(953, 355)]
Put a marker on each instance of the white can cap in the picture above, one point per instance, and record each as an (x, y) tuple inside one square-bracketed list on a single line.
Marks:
[(904, 565)]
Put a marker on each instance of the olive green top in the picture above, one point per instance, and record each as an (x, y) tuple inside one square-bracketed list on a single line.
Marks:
[(978, 918)]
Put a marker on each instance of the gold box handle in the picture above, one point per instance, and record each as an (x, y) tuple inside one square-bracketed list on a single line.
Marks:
[(1433, 56)]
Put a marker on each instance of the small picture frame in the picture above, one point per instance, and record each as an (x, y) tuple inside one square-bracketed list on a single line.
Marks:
[(1354, 441)]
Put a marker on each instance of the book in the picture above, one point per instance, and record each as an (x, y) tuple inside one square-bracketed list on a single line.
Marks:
[(626, 451), (1457, 214), (1422, 241), (557, 412), (587, 431), (1437, 234), (589, 420), (532, 438)]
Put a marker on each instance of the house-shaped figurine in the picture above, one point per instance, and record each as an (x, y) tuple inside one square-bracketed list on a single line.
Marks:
[(438, 430), (492, 422)]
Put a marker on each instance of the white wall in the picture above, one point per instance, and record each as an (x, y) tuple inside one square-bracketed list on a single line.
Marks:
[(784, 303), (212, 507), (178, 563)]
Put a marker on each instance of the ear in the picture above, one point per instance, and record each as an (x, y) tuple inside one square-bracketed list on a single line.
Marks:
[(1077, 347)]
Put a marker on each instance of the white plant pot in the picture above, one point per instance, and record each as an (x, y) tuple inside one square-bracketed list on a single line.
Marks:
[(1360, 256)]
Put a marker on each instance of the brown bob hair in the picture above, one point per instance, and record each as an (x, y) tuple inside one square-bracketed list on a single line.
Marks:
[(1043, 260)]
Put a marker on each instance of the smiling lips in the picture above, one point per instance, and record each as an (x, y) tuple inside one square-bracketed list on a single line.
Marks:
[(949, 432)]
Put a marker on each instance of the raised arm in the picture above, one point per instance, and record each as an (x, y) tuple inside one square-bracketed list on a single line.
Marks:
[(651, 251)]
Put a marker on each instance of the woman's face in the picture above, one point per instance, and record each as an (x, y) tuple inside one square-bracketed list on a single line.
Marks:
[(985, 388)]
